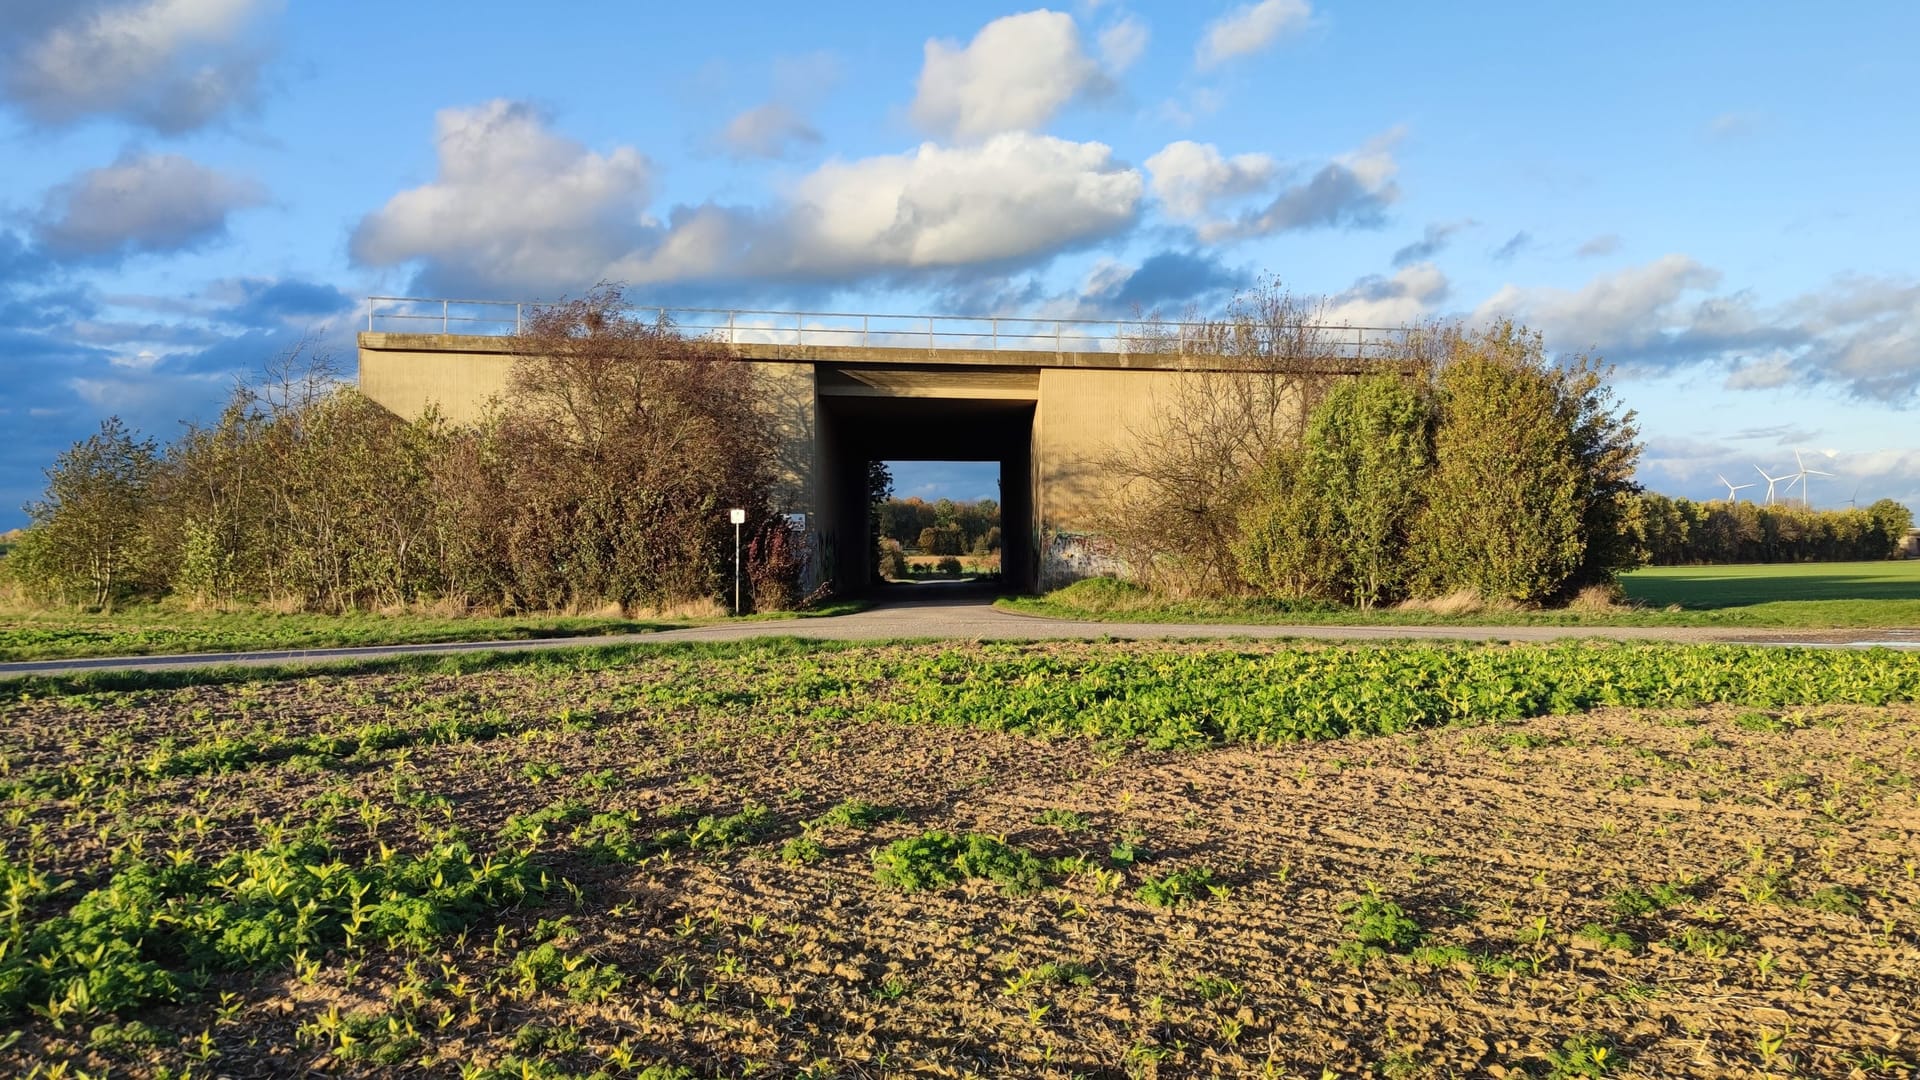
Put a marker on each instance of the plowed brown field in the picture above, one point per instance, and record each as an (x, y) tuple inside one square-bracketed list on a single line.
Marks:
[(1674, 893)]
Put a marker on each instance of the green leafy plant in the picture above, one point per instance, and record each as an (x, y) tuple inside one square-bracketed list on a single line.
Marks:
[(1376, 926), (938, 859), (1607, 939), (1633, 901), (1174, 889), (1835, 899), (1065, 820), (1581, 1057), (1049, 974), (1709, 944), (853, 814), (152, 927), (802, 849), (745, 826)]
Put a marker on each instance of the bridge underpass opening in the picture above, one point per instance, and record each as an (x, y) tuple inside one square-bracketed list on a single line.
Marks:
[(968, 531), (857, 431)]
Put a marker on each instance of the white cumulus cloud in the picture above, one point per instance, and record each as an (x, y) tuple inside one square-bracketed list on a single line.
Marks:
[(1353, 190), (171, 65), (518, 210), (1631, 307), (142, 203), (1015, 74), (513, 204), (1248, 29), (1190, 178), (1013, 198), (1859, 333), (1407, 297)]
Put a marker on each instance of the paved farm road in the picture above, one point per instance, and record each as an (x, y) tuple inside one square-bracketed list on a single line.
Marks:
[(958, 612)]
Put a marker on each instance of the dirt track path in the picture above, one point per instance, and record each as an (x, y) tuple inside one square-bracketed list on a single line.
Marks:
[(955, 613)]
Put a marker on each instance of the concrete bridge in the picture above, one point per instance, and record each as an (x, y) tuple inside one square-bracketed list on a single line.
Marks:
[(1049, 401)]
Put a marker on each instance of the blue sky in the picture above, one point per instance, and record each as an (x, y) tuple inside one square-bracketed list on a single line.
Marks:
[(1716, 197)]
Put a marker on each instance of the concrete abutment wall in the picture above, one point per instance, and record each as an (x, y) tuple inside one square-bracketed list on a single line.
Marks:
[(1053, 421)]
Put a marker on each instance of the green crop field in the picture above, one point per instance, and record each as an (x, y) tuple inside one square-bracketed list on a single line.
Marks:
[(1752, 586), (786, 859), (1796, 595)]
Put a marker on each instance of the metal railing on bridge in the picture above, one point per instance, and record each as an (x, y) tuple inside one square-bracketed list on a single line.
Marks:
[(1001, 333)]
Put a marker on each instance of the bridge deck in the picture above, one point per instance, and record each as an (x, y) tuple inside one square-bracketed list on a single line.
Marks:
[(921, 356)]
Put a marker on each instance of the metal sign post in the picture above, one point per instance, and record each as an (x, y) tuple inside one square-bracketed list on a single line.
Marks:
[(739, 518)]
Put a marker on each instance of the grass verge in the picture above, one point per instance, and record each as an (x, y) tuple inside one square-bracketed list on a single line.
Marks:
[(1797, 596), (160, 630)]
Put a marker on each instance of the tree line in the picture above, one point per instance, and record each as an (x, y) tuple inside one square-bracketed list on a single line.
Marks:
[(1681, 532), (941, 527), (604, 478)]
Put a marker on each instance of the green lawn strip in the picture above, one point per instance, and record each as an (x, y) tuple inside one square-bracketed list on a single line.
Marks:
[(1749, 585), (153, 631), (1832, 595), (555, 661)]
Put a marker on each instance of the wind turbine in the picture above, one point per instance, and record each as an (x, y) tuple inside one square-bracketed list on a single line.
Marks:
[(1806, 485), (1733, 487), (1772, 480)]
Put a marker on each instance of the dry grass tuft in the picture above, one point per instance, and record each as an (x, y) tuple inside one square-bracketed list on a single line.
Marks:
[(708, 608), (1458, 602), (1600, 600)]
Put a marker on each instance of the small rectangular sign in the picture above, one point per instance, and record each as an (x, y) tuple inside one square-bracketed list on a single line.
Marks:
[(739, 517)]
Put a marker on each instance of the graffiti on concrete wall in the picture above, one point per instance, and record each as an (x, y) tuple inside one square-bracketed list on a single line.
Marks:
[(1068, 557)]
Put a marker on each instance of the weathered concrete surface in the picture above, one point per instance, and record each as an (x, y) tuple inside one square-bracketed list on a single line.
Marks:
[(463, 376), (458, 375), (1054, 422)]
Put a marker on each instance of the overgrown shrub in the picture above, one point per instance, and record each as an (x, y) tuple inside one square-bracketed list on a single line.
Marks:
[(303, 491), (1505, 511), (1533, 473), (604, 479), (776, 559), (1493, 472), (1330, 520), (893, 558), (88, 543), (1244, 386), (607, 476)]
